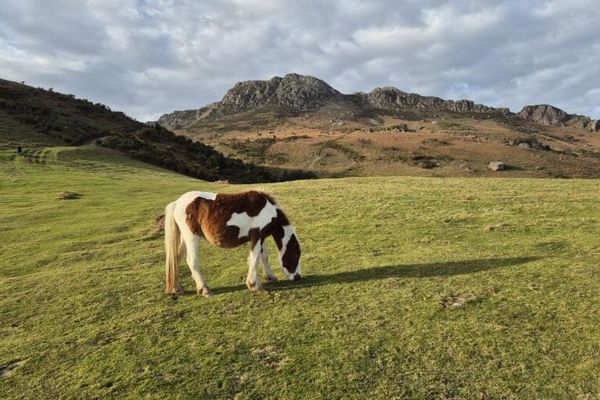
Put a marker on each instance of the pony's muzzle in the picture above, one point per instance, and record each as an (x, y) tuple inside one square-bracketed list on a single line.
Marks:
[(297, 277)]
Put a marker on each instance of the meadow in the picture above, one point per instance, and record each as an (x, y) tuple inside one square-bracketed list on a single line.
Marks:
[(414, 287)]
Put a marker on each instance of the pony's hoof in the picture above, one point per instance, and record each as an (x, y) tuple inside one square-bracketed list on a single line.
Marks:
[(255, 287), (271, 278), (204, 292), (177, 291)]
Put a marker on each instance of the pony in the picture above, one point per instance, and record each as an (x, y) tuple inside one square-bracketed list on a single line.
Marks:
[(228, 220)]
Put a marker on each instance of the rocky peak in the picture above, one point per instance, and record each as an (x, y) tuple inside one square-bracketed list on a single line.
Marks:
[(295, 92), (249, 94), (304, 93)]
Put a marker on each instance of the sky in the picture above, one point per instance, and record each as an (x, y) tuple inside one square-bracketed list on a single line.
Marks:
[(149, 57)]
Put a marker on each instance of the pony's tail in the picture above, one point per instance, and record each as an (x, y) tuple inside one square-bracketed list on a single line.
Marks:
[(172, 245)]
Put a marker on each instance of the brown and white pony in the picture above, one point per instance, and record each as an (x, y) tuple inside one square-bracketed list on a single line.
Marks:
[(228, 220)]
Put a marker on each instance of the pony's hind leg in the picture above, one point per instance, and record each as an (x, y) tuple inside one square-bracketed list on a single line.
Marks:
[(192, 243), (264, 257), (252, 281)]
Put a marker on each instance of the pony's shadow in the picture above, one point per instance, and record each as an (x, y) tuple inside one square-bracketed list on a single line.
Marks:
[(426, 270)]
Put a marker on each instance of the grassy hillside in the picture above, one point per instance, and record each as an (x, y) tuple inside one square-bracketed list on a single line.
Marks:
[(415, 288), (34, 117)]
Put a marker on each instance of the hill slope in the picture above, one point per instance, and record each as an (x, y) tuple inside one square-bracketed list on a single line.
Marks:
[(302, 122), (34, 117), (489, 290)]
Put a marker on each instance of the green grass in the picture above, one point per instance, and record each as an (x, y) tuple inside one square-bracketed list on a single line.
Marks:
[(415, 288)]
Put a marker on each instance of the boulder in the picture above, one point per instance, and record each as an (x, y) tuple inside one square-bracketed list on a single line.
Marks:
[(496, 166)]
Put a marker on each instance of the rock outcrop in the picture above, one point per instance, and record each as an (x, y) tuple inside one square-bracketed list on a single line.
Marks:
[(392, 98), (543, 114), (548, 115), (178, 119)]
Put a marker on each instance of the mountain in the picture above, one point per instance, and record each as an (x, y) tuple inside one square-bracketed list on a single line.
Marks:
[(34, 117), (300, 121), (296, 93)]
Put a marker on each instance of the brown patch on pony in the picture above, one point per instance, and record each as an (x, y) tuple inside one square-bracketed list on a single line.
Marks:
[(282, 218), (192, 211), (251, 202), (292, 255), (209, 218)]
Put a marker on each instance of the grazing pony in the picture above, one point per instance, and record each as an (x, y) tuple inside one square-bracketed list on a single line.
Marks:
[(228, 220)]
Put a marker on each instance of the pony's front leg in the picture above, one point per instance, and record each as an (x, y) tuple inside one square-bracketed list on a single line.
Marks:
[(252, 281), (264, 257), (192, 243)]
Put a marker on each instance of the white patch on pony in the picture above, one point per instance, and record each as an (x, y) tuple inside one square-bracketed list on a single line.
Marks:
[(245, 222), (185, 199), (204, 195), (288, 231), (183, 202)]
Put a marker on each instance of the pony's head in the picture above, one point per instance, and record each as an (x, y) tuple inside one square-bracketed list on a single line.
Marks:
[(289, 254)]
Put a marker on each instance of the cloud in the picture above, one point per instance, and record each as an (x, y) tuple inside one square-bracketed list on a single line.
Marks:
[(147, 57)]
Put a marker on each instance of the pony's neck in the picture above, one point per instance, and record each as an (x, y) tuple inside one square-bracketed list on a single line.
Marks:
[(283, 231)]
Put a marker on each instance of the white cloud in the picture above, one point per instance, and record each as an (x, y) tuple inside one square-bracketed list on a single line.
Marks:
[(147, 57)]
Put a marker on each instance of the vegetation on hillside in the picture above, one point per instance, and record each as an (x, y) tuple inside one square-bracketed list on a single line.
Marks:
[(159, 146), (62, 118)]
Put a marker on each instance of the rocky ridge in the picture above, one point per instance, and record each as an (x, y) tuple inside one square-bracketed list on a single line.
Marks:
[(297, 94), (393, 98)]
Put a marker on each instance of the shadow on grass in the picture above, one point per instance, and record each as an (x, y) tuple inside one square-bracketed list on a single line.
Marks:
[(428, 270)]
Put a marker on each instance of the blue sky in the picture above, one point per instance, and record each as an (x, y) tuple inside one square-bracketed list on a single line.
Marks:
[(155, 56)]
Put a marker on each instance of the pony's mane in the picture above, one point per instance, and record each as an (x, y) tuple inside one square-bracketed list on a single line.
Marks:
[(265, 193)]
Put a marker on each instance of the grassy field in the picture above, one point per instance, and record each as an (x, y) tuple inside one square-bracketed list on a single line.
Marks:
[(417, 288)]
